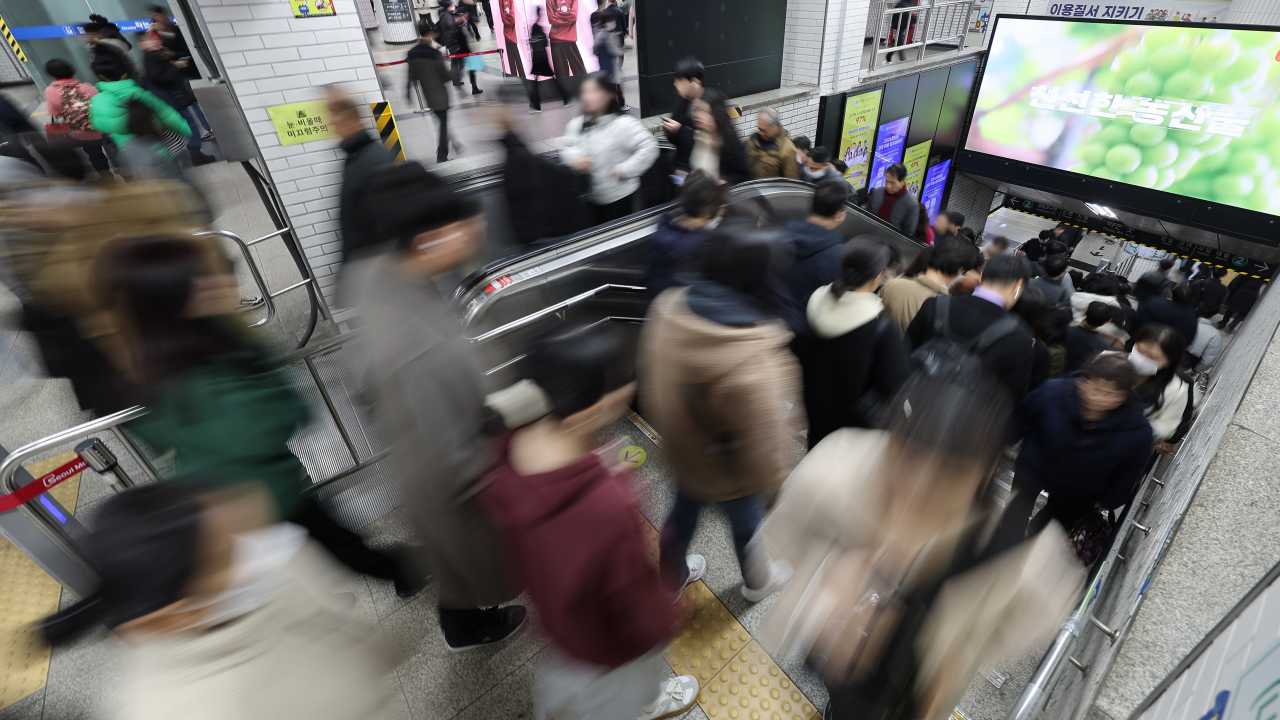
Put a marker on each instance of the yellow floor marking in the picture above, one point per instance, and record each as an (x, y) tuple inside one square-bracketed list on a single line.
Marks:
[(26, 595), (737, 679)]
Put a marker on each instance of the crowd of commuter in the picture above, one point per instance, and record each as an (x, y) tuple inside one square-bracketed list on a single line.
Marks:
[(902, 386)]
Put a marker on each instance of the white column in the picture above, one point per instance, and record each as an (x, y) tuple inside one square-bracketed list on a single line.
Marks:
[(396, 21), (368, 18)]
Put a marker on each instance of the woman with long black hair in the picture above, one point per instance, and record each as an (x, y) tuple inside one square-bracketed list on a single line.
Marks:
[(1156, 356), (215, 397), (717, 151), (856, 360)]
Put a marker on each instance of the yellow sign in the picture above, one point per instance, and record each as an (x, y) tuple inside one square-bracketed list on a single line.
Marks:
[(302, 122), (312, 8), (632, 457)]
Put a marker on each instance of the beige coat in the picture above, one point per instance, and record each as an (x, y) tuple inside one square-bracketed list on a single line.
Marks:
[(779, 162), (827, 521), (903, 297), (720, 396), (302, 656)]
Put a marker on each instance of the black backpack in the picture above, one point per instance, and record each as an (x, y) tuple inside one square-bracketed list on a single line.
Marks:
[(960, 361)]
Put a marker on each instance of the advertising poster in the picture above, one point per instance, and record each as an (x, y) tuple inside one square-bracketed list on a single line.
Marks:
[(980, 18), (1202, 12), (1185, 110), (889, 142), (935, 183), (916, 158), (567, 24), (860, 115), (311, 8)]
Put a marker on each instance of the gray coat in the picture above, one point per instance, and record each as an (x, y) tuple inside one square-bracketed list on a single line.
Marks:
[(429, 405), (906, 212)]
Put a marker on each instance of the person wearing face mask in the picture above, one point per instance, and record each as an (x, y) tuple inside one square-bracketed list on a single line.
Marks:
[(948, 260), (817, 167), (856, 361), (226, 613), (892, 203), (1156, 355), (702, 203), (569, 524), (428, 397), (1085, 441)]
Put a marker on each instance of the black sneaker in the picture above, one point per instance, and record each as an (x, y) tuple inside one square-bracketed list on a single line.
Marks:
[(502, 623), (199, 158), (407, 587), (476, 91)]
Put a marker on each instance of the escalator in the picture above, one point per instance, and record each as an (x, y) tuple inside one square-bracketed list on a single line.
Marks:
[(597, 275)]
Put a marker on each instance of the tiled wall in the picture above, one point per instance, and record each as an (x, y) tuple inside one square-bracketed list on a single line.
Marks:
[(799, 117), (813, 37), (271, 58), (1254, 12), (1247, 638)]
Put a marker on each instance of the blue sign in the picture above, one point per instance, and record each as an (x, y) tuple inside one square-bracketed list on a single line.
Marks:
[(47, 32), (889, 144), (935, 181)]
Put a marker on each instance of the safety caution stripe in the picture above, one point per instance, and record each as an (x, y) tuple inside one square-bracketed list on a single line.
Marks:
[(8, 36), (387, 129)]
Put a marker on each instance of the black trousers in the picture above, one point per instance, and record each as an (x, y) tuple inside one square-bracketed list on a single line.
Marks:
[(442, 147), (513, 60), (97, 153), (566, 60), (1014, 526), (535, 98), (615, 210), (343, 544)]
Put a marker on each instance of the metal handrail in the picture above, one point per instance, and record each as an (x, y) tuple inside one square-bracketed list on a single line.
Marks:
[(553, 309), (926, 17), (267, 295)]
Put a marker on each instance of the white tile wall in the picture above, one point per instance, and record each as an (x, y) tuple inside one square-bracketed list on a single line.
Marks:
[(271, 58), (813, 37), (1254, 12), (799, 117), (1193, 692)]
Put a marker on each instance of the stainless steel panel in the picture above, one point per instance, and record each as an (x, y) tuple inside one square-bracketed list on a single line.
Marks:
[(226, 120)]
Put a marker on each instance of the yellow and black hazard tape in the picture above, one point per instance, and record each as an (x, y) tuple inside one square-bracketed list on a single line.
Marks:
[(8, 36), (1135, 242), (386, 123)]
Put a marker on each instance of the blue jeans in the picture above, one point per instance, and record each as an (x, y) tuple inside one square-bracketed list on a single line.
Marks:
[(194, 116), (745, 515)]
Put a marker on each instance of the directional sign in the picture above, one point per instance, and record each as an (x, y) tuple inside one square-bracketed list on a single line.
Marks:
[(632, 456)]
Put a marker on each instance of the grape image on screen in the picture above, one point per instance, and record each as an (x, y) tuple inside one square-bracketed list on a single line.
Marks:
[(1191, 111)]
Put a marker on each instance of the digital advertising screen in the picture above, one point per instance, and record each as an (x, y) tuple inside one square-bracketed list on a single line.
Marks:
[(889, 145), (567, 24), (860, 114), (935, 183), (915, 159), (1185, 110)]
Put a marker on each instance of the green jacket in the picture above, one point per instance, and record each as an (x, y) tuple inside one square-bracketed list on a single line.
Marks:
[(109, 114), (229, 422)]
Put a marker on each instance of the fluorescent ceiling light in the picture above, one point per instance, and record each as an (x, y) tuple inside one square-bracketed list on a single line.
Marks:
[(1102, 210)]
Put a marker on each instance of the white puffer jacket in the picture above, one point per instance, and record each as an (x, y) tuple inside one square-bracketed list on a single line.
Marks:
[(621, 151)]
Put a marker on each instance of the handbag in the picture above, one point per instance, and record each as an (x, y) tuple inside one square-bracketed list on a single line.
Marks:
[(1088, 536), (183, 97), (474, 63), (58, 130)]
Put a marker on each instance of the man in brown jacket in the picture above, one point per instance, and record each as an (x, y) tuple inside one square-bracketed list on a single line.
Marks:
[(769, 151), (949, 258)]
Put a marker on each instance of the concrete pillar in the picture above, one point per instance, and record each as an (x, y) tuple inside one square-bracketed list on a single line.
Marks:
[(396, 20)]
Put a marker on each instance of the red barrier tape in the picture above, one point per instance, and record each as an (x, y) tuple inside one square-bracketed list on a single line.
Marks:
[(446, 57), (33, 489)]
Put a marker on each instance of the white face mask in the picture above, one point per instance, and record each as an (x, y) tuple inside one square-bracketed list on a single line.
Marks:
[(1145, 366)]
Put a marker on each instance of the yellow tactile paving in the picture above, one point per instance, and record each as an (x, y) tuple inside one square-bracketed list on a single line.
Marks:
[(26, 595), (737, 679)]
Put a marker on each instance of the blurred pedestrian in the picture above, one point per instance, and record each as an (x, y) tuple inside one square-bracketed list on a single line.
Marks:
[(366, 160), (122, 109), (716, 376), (68, 99), (978, 322), (769, 150), (898, 597), (154, 151), (947, 261), (471, 10), (717, 151), (690, 82), (996, 245), (1084, 441), (609, 147), (223, 617), (540, 65), (167, 78), (428, 71), (672, 245), (856, 362), (607, 46), (104, 41), (1242, 294), (815, 243), (428, 396), (1210, 292), (924, 233), (1032, 306), (571, 530), (1084, 339), (1054, 283), (215, 398), (1165, 304), (1205, 348), (1157, 357), (947, 224)]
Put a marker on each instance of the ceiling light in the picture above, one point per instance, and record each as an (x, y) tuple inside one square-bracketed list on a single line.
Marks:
[(1102, 210)]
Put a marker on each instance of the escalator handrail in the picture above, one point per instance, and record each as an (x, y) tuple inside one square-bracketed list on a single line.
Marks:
[(552, 309), (479, 276)]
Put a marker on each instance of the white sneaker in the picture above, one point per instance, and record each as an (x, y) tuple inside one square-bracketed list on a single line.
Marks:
[(678, 696), (697, 570), (534, 112), (780, 574)]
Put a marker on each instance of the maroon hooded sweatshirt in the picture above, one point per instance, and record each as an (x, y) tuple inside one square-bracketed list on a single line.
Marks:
[(573, 536)]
